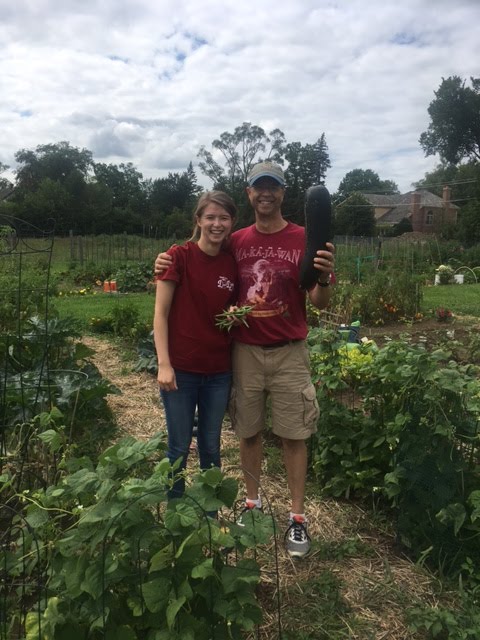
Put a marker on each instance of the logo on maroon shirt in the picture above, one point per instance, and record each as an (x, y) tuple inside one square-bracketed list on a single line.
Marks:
[(225, 283)]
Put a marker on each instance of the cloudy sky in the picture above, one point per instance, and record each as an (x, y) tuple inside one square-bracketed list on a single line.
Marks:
[(150, 81)]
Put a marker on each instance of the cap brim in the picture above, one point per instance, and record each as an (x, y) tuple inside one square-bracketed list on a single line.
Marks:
[(265, 174)]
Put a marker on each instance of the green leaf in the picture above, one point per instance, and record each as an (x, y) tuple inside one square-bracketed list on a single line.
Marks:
[(172, 610), (228, 491), (83, 480), (185, 590), (100, 512), (455, 513), (246, 571), (189, 541), (74, 570), (36, 516), (52, 438), (135, 604), (162, 558), (92, 582), (183, 516), (204, 570), (474, 501), (156, 594), (121, 633), (212, 476)]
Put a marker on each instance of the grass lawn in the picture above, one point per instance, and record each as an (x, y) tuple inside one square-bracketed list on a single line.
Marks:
[(85, 307), (460, 299)]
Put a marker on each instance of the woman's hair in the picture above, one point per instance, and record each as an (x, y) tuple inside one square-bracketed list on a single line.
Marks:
[(216, 197)]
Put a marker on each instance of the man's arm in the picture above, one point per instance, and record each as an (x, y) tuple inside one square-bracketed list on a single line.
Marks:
[(162, 262), (324, 262)]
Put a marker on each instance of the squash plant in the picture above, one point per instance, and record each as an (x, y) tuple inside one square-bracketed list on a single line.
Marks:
[(120, 562)]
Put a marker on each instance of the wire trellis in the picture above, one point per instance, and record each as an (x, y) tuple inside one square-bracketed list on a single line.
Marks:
[(25, 590)]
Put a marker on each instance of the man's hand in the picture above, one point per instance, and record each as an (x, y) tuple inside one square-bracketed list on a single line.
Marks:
[(162, 262), (324, 262)]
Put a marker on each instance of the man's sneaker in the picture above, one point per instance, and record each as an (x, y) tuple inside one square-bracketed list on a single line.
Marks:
[(246, 513), (297, 540)]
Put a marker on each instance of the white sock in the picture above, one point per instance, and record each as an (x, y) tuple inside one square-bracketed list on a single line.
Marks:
[(256, 503), (300, 515)]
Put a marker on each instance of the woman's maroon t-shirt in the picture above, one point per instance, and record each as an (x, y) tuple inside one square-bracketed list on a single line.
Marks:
[(205, 286)]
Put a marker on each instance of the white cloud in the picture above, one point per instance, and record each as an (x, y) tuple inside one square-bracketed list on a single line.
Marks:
[(150, 81)]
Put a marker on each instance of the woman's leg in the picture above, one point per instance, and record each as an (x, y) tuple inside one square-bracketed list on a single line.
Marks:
[(179, 413), (212, 404)]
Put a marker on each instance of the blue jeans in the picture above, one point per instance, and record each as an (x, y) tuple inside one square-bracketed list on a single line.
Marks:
[(208, 394)]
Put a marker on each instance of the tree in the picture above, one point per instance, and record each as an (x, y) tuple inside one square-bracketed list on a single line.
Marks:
[(177, 192), (463, 179), (454, 129), (354, 217), (307, 166), (240, 150), (55, 161), (363, 180), (49, 202), (4, 183), (468, 231), (128, 193), (464, 183)]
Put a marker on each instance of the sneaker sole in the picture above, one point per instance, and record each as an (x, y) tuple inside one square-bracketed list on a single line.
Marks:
[(298, 554)]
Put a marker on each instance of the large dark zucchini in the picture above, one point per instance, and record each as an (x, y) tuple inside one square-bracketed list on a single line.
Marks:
[(318, 231)]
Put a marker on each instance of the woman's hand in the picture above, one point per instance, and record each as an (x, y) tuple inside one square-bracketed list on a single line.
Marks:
[(166, 378)]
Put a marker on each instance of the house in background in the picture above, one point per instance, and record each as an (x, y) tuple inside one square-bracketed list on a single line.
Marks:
[(426, 212)]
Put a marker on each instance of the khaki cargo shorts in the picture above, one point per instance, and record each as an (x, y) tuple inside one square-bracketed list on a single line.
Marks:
[(283, 373)]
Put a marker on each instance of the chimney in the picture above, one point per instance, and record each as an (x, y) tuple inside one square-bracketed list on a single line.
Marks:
[(449, 214), (446, 196), (415, 211)]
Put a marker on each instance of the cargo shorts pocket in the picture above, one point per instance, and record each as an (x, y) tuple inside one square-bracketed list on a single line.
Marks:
[(311, 410)]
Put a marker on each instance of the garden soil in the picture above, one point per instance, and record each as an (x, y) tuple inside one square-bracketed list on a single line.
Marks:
[(377, 581)]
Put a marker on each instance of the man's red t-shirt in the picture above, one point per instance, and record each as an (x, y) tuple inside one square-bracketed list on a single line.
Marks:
[(206, 286), (268, 272)]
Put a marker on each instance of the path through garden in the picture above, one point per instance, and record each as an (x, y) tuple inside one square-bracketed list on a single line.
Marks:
[(355, 584)]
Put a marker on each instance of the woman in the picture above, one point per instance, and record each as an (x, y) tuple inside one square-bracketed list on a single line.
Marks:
[(194, 365)]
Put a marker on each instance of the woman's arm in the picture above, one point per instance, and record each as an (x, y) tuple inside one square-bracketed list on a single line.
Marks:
[(163, 303)]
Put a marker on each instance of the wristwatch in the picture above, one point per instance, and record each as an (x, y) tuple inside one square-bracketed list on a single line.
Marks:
[(324, 284)]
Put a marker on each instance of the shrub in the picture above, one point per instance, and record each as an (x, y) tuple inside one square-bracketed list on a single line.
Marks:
[(410, 437), (385, 298), (445, 274), (123, 564), (133, 277)]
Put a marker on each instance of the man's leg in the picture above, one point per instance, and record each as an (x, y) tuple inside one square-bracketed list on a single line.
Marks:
[(251, 454), (247, 412), (295, 458)]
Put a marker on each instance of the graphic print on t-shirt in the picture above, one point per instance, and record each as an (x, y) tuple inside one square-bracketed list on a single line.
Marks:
[(265, 293), (268, 269)]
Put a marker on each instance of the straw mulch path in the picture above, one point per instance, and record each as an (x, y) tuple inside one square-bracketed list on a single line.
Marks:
[(377, 581)]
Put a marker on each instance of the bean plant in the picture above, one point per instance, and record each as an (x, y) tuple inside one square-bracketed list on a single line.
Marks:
[(404, 428)]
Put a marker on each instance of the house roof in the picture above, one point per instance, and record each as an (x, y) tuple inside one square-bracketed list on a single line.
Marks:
[(399, 205)]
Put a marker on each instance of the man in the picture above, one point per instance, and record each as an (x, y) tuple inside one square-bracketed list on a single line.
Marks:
[(270, 357)]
